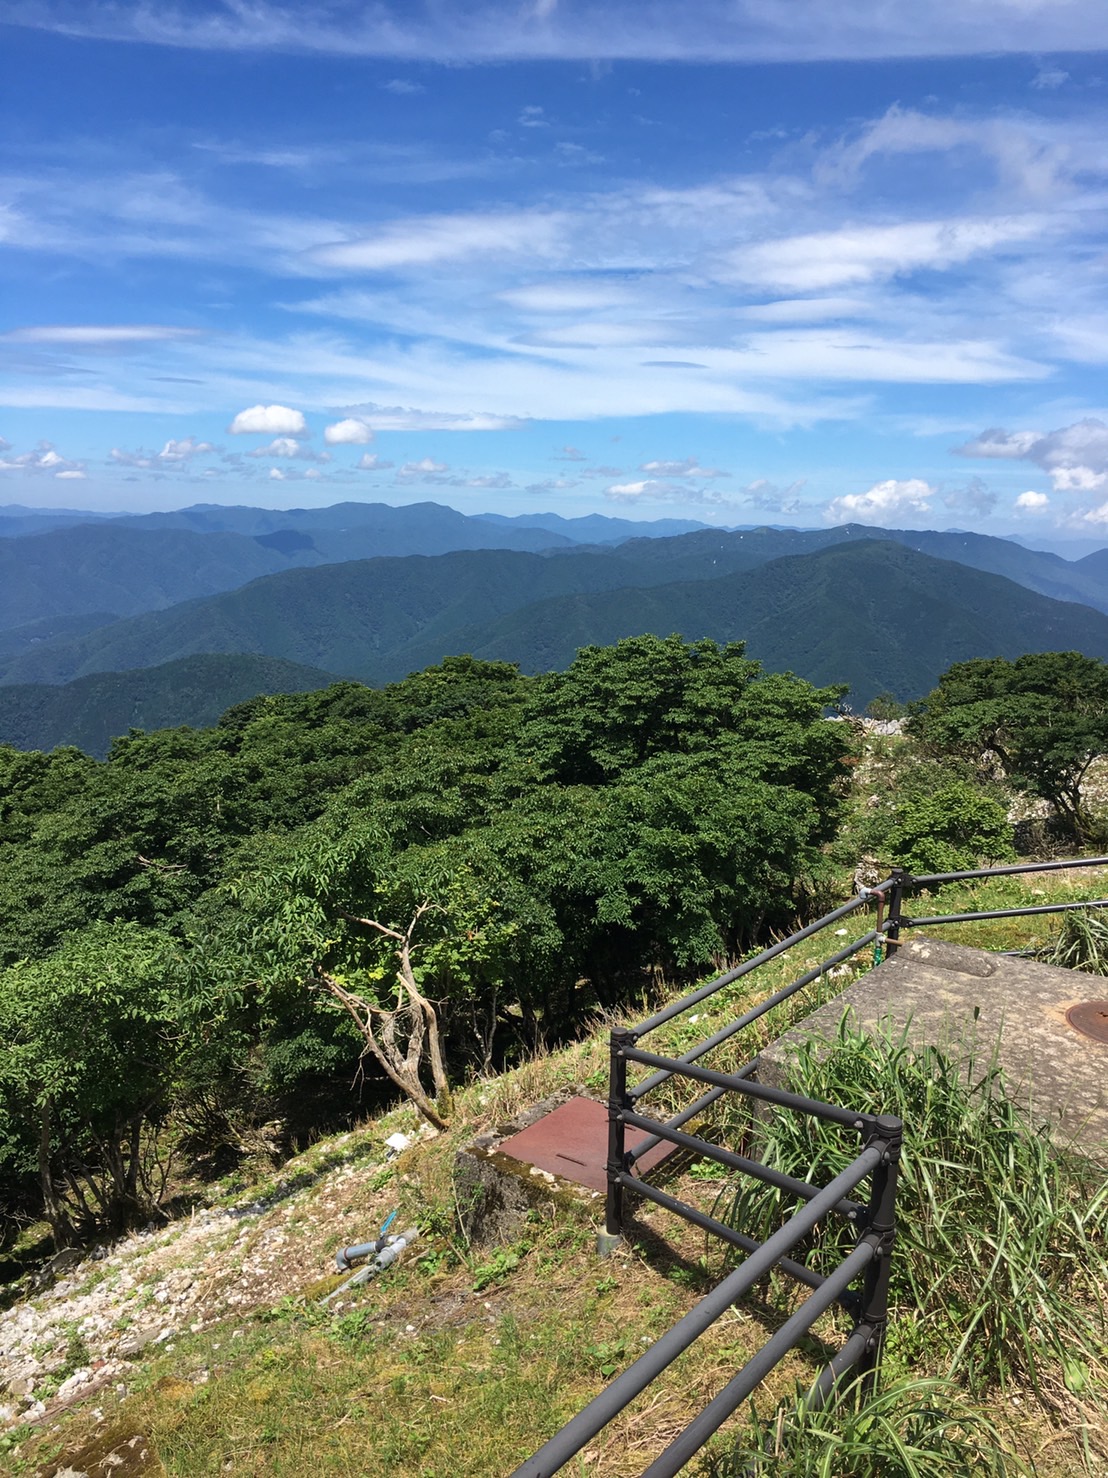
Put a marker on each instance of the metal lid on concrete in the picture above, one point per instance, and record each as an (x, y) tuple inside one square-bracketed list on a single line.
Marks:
[(572, 1141)]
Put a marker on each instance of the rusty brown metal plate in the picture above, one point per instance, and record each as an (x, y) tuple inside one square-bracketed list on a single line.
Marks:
[(572, 1141), (1090, 1018)]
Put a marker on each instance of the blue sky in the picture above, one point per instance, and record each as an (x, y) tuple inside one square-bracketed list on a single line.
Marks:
[(732, 260)]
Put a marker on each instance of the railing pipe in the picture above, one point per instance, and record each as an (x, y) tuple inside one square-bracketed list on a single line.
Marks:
[(900, 881), (1002, 913), (721, 1230), (618, 1101), (881, 1230), (823, 1387), (600, 1411), (926, 879), (829, 1111), (693, 1438), (676, 1008), (703, 1102), (755, 1168), (760, 1009)]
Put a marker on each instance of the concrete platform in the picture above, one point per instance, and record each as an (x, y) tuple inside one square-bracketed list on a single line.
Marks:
[(949, 995)]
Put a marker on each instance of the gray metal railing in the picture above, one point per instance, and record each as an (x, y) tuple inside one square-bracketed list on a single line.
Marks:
[(874, 1221)]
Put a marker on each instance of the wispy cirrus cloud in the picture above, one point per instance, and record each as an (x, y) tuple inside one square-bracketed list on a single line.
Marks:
[(650, 30), (98, 336)]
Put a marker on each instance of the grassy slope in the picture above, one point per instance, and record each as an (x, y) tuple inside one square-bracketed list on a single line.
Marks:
[(462, 1360)]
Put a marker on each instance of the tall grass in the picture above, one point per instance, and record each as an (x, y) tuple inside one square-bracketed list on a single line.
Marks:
[(1000, 1269), (1082, 943), (909, 1429)]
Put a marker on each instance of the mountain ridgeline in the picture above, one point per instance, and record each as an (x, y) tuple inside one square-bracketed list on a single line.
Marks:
[(166, 619)]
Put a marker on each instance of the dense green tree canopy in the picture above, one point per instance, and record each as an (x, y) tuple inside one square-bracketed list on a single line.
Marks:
[(433, 877), (1042, 719)]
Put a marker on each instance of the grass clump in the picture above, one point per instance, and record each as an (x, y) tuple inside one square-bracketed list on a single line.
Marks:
[(1082, 943), (912, 1428), (1001, 1260)]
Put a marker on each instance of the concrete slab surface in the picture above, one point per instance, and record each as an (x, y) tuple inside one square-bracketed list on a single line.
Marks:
[(949, 995)]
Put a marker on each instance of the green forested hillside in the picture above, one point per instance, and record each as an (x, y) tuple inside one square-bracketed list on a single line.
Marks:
[(92, 711), (102, 567), (346, 618), (875, 615)]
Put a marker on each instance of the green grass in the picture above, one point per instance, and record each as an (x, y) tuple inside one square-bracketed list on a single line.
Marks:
[(911, 1428), (1001, 1259)]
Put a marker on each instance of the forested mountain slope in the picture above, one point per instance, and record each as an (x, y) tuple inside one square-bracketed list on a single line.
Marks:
[(871, 613), (347, 618), (101, 567), (92, 711)]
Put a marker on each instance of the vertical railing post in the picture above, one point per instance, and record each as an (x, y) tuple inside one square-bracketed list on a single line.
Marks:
[(901, 879), (881, 1228), (618, 1101)]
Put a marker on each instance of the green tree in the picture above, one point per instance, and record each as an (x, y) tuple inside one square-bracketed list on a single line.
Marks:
[(91, 1037), (1041, 720)]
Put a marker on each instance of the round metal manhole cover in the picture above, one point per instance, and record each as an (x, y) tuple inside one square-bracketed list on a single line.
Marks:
[(1090, 1018)]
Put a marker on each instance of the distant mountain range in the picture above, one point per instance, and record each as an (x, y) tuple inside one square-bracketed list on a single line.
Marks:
[(207, 602)]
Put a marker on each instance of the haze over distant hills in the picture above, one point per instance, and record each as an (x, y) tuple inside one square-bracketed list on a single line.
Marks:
[(284, 593)]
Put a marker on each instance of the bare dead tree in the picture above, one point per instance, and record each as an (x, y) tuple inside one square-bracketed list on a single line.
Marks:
[(402, 1037)]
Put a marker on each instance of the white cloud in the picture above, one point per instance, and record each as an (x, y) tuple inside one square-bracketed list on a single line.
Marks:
[(402, 87), (371, 462), (996, 442), (97, 336), (269, 420), (286, 446), (533, 116), (174, 453), (1095, 515), (687, 467), (71, 473), (743, 31), (1033, 502), (1049, 78), (1075, 456), (420, 241), (770, 497), (352, 431), (44, 458), (276, 475), (490, 480), (185, 450), (424, 465), (890, 499), (131, 459), (856, 255), (569, 454), (405, 418)]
